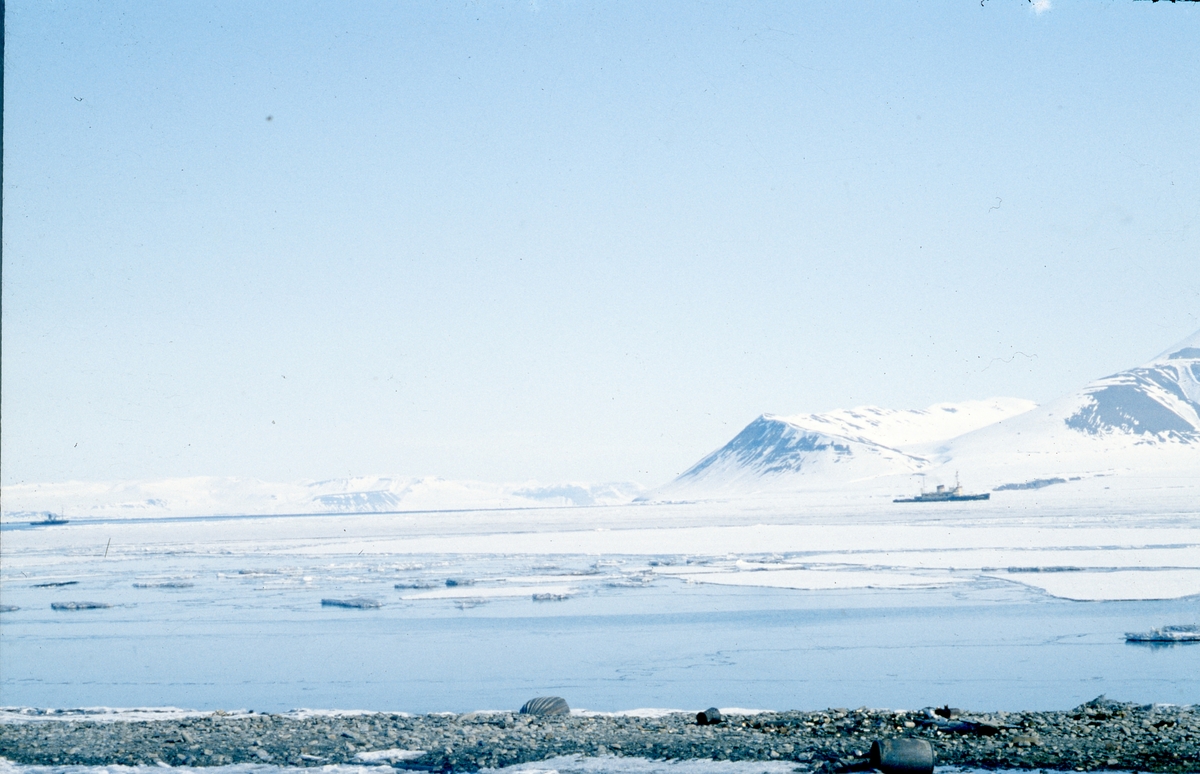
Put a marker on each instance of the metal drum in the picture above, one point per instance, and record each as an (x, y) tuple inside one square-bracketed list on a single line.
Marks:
[(546, 705), (902, 756)]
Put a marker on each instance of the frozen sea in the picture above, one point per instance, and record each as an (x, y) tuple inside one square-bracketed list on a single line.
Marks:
[(664, 606)]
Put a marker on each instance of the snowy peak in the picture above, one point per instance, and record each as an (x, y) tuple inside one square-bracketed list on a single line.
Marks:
[(1161, 398), (772, 445), (858, 442), (1188, 349), (842, 445), (896, 428), (1142, 419)]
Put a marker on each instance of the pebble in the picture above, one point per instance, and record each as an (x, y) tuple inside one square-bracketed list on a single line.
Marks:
[(1094, 736)]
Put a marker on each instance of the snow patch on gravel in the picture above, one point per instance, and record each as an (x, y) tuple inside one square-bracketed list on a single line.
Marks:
[(389, 756), (611, 764), (15, 715)]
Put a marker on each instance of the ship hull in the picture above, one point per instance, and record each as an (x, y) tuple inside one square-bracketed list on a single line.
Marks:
[(949, 499)]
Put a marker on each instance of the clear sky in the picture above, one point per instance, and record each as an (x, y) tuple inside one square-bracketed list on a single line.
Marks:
[(571, 240)]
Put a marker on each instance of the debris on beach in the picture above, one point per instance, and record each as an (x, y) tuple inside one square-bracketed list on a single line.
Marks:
[(1101, 735), (546, 705), (949, 720), (1098, 736), (902, 756)]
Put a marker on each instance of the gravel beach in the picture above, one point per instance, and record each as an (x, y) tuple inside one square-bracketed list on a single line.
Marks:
[(1095, 736)]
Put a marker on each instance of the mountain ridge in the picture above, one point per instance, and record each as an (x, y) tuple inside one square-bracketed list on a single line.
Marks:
[(1143, 418), (214, 495)]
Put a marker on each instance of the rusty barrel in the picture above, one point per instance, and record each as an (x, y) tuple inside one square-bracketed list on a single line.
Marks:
[(902, 756)]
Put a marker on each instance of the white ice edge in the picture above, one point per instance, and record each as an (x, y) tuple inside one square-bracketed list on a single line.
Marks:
[(486, 592), (1083, 585), (1119, 585), (662, 712), (1159, 562), (13, 715), (391, 755)]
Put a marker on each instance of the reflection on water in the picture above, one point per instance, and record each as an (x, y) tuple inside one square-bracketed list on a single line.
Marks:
[(1160, 645)]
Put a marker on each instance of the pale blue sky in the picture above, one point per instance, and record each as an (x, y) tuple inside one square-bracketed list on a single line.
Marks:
[(567, 240)]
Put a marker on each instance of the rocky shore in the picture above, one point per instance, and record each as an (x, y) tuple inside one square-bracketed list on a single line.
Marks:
[(1095, 736)]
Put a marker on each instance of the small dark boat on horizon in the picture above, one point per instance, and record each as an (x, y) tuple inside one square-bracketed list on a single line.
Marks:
[(944, 495), (50, 520)]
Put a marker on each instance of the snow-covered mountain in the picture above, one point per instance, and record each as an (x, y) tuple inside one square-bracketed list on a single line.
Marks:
[(208, 495), (1143, 419), (842, 445), (1161, 398)]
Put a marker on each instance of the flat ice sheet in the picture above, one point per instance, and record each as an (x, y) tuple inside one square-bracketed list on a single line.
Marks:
[(815, 580), (1114, 585), (481, 592), (765, 539), (760, 608)]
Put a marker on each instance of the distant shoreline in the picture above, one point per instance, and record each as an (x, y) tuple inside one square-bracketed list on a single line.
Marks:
[(1095, 736)]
